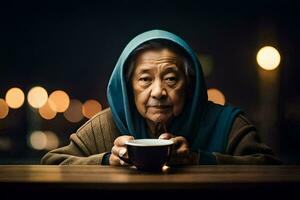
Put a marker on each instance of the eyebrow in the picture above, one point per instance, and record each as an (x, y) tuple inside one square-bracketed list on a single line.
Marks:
[(167, 69), (143, 70), (171, 68)]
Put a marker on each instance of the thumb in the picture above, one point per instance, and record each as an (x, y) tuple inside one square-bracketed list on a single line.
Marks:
[(166, 136)]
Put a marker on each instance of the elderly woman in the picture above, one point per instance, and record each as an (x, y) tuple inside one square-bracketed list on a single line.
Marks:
[(157, 90)]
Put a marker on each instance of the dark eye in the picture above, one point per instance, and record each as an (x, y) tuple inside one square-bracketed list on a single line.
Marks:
[(145, 79), (171, 80)]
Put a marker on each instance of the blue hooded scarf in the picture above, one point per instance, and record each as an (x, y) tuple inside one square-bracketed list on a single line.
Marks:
[(204, 124)]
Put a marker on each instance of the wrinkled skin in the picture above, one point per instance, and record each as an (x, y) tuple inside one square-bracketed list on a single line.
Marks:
[(159, 86)]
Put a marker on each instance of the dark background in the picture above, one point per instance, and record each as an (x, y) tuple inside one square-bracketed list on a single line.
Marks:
[(74, 46)]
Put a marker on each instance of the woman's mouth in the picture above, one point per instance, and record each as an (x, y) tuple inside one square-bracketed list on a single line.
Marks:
[(159, 108)]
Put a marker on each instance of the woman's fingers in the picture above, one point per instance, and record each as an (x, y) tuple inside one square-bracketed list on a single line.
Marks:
[(119, 148), (115, 160), (180, 145), (120, 141), (119, 151), (166, 136)]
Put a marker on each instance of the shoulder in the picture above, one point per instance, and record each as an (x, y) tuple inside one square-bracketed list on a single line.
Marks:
[(102, 121), (241, 121), (241, 128), (98, 132), (241, 125)]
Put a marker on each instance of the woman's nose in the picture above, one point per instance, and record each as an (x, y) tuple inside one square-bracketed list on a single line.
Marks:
[(158, 91)]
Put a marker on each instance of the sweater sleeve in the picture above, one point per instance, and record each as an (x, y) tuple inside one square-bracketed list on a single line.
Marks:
[(76, 153), (245, 147), (88, 146)]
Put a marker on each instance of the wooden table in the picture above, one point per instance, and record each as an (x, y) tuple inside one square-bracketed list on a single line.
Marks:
[(215, 181)]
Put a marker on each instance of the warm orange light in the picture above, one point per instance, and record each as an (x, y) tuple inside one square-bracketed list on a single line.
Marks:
[(14, 97), (46, 111), (59, 101), (3, 109), (52, 140), (73, 113), (207, 64), (216, 96), (38, 140), (37, 97), (6, 144), (268, 58), (90, 108)]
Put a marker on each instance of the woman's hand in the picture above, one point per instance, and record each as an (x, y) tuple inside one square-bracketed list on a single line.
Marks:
[(119, 150), (180, 146), (181, 154)]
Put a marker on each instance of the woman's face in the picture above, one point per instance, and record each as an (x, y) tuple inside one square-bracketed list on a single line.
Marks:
[(158, 83)]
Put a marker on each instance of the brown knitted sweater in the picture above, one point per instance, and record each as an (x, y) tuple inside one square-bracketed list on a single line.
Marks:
[(92, 140)]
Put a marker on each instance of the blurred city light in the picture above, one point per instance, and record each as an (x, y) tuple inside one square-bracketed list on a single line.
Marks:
[(74, 111), (4, 109), (37, 97), (59, 101), (46, 111), (52, 140), (207, 64), (268, 58), (14, 97), (38, 140), (90, 108), (5, 144), (216, 96)]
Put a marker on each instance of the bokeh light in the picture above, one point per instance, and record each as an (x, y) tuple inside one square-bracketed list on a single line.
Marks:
[(38, 140), (6, 144), (59, 101), (207, 64), (14, 97), (37, 97), (90, 108), (46, 111), (4, 109), (74, 111), (216, 96), (52, 140), (268, 58)]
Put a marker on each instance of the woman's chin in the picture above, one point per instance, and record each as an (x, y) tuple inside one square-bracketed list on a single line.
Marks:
[(160, 118)]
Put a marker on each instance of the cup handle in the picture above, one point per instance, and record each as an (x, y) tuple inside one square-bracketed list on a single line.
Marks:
[(126, 160)]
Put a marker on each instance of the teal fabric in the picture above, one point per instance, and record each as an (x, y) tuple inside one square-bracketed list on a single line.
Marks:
[(207, 158), (204, 124)]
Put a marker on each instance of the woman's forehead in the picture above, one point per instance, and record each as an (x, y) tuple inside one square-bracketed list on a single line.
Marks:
[(157, 57)]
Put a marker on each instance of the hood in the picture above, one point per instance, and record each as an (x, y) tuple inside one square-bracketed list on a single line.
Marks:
[(204, 124)]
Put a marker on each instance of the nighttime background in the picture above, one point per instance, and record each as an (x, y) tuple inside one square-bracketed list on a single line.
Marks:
[(74, 46)]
